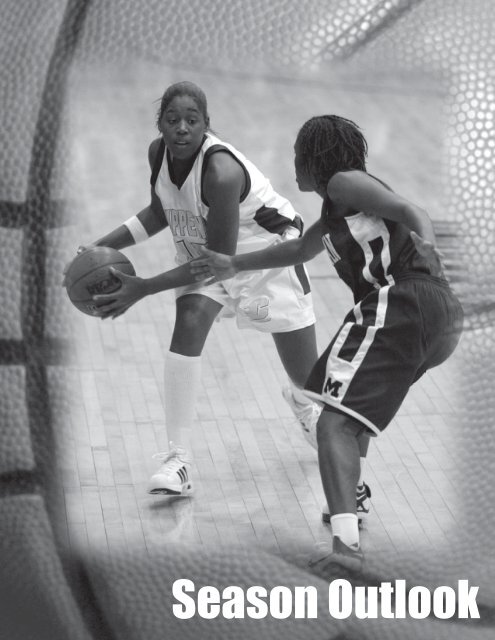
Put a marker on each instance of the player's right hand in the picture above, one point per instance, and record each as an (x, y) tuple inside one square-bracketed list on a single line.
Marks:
[(213, 266)]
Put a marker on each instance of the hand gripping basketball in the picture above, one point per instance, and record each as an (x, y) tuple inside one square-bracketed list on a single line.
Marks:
[(114, 304), (95, 271)]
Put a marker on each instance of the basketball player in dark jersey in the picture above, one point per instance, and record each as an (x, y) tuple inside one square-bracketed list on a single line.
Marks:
[(405, 319)]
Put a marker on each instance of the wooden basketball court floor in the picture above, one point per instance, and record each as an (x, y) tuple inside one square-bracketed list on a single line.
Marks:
[(256, 479)]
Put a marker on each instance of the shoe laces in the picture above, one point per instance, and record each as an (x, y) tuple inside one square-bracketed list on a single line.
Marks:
[(174, 458)]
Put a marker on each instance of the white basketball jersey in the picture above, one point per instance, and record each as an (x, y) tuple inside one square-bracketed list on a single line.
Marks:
[(264, 215)]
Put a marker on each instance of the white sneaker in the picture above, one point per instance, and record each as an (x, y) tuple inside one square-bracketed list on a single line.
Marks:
[(307, 413), (174, 475)]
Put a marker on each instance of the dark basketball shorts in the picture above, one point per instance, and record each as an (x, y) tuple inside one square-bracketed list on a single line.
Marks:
[(386, 343)]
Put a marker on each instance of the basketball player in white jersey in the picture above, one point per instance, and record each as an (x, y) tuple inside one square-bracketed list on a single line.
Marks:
[(405, 319), (208, 194)]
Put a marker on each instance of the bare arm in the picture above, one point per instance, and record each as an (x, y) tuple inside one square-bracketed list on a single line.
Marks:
[(358, 191), (224, 183), (283, 254), (223, 267)]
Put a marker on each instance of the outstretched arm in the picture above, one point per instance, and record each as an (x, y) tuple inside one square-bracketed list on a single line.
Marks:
[(223, 267)]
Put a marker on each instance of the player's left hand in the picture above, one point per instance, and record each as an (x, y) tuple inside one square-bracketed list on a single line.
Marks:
[(112, 305), (431, 254)]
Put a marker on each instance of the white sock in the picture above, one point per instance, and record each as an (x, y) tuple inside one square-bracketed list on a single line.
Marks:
[(182, 379), (362, 462), (345, 525)]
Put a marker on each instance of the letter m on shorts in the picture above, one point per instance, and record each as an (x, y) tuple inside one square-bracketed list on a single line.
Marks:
[(332, 387)]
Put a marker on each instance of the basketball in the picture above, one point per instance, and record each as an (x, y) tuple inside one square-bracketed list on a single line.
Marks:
[(89, 275)]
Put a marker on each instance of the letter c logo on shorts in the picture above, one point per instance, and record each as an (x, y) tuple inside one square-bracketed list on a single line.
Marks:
[(258, 310)]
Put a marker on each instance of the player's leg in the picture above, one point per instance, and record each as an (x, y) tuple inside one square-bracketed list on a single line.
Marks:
[(363, 377), (278, 301), (364, 443), (195, 314), (339, 462), (338, 457), (298, 353), (363, 491)]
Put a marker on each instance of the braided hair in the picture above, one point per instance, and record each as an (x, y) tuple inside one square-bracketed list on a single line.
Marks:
[(329, 144)]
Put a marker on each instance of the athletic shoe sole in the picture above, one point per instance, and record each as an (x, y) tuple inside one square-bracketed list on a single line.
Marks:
[(162, 491)]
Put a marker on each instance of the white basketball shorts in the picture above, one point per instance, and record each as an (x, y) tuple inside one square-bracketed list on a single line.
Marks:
[(270, 300)]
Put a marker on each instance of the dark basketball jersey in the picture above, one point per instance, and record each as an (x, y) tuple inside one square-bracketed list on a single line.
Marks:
[(369, 252)]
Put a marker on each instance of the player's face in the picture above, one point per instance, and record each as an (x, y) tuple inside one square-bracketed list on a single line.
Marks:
[(304, 180), (183, 127)]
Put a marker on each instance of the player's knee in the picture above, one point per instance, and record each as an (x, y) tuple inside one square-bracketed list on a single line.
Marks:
[(334, 424), (191, 329), (191, 321)]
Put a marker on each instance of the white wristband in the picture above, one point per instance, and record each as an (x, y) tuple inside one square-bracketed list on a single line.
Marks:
[(136, 229)]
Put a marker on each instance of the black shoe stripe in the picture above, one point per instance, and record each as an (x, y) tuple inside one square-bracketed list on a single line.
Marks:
[(182, 474)]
